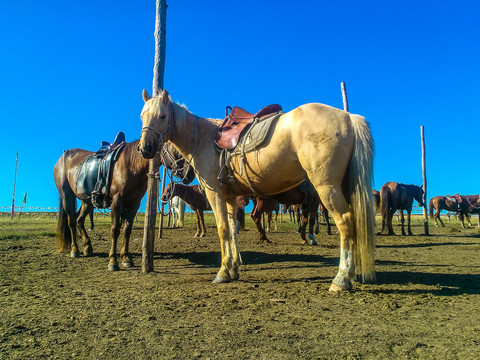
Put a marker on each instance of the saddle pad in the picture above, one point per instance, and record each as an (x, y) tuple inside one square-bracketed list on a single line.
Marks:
[(256, 134)]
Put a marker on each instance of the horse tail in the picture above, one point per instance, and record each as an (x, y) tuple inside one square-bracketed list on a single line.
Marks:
[(66, 205), (430, 207), (361, 198)]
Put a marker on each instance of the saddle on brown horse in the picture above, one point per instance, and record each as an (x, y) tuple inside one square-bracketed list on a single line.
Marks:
[(234, 124)]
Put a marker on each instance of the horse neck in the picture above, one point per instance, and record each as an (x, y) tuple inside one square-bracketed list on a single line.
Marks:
[(136, 162), (189, 129)]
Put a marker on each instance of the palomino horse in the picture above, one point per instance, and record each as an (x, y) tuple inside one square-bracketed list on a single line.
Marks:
[(449, 203), (395, 196), (129, 184), (470, 204), (330, 147)]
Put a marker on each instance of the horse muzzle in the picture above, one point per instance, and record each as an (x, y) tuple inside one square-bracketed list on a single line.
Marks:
[(148, 151)]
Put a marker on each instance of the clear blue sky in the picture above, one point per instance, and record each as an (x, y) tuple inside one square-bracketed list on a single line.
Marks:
[(71, 75)]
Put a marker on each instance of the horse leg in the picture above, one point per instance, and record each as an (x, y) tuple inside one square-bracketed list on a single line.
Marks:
[(127, 260), (197, 216), (225, 217), (256, 217), (335, 202), (202, 224), (312, 216), (69, 207), (461, 218), (408, 223), (402, 220), (468, 219), (390, 222), (85, 209), (116, 210)]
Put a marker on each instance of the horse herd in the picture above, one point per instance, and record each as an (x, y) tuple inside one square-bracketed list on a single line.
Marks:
[(313, 157)]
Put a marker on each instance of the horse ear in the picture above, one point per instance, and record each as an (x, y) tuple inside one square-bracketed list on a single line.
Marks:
[(165, 97), (145, 95)]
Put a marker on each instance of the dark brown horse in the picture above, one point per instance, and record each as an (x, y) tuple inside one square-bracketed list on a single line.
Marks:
[(376, 201), (194, 197), (128, 186), (396, 196), (470, 204), (264, 206), (449, 203)]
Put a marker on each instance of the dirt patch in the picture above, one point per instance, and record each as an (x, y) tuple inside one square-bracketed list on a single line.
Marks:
[(424, 306)]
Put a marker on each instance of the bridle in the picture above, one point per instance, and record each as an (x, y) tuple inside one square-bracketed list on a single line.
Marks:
[(160, 134)]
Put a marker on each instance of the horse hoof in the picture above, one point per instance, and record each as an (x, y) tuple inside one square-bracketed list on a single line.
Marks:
[(203, 235), (220, 280), (312, 241), (88, 252), (336, 288), (113, 267), (127, 264), (75, 254)]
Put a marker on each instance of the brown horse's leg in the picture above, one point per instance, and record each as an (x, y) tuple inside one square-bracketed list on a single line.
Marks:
[(202, 224), (85, 209), (129, 215), (116, 211), (437, 216), (408, 223), (197, 216), (313, 214), (461, 218), (468, 219), (256, 217), (335, 202), (402, 220), (69, 207), (390, 222)]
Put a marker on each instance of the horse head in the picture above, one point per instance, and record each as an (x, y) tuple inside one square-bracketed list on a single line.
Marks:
[(156, 122), (417, 193), (168, 193), (179, 166)]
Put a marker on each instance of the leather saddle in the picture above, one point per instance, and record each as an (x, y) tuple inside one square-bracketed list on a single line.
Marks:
[(94, 175), (234, 124)]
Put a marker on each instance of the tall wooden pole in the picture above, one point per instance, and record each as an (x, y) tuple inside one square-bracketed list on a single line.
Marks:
[(424, 174), (154, 164), (344, 96), (14, 185)]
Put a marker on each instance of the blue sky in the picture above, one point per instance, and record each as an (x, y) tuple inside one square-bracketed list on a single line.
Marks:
[(71, 75)]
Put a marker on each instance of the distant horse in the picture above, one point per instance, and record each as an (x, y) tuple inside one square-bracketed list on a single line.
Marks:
[(376, 200), (266, 206), (448, 203), (396, 196), (330, 147), (194, 197), (470, 204), (177, 208), (128, 186)]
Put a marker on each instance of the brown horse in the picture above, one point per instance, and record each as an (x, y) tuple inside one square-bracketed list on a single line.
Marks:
[(396, 196), (331, 148), (376, 200), (449, 203), (194, 197), (264, 206), (128, 186), (469, 204)]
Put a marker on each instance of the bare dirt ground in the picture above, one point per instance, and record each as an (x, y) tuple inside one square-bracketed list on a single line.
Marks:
[(424, 306)]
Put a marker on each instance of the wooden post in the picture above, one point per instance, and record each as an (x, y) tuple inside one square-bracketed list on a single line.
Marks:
[(344, 96), (424, 173), (154, 164)]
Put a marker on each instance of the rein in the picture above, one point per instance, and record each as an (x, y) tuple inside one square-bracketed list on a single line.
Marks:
[(475, 207)]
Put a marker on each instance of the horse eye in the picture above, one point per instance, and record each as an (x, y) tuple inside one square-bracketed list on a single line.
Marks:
[(163, 117)]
